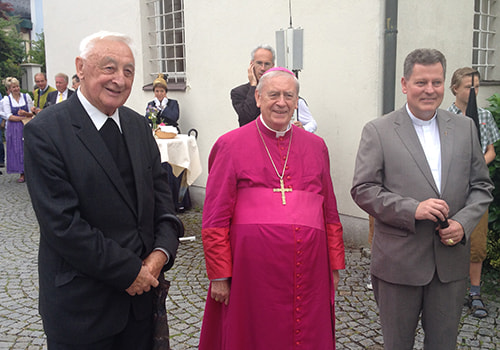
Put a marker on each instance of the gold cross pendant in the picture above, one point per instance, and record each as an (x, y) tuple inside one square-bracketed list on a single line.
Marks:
[(282, 189)]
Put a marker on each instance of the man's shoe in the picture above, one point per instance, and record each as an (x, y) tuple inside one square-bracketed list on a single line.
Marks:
[(477, 307)]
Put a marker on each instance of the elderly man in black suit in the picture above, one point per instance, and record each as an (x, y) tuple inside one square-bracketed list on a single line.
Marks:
[(107, 229), (62, 92)]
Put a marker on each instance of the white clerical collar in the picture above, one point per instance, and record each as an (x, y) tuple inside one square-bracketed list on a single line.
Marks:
[(278, 133), (97, 117), (418, 121)]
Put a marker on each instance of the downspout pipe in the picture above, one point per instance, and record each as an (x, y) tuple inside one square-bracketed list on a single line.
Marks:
[(390, 42)]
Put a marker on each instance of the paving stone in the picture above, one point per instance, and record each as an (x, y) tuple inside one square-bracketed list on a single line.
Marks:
[(357, 324)]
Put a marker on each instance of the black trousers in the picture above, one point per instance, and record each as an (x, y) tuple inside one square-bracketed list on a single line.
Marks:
[(137, 335)]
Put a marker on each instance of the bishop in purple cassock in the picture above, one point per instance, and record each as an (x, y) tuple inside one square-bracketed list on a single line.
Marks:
[(271, 232)]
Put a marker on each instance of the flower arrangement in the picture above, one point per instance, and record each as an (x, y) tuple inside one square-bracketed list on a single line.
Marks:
[(152, 112)]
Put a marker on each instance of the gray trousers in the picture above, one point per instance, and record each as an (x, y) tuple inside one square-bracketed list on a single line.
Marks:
[(438, 304)]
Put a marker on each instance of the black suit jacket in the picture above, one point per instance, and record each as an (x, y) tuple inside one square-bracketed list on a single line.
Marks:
[(243, 100), (92, 238), (52, 97)]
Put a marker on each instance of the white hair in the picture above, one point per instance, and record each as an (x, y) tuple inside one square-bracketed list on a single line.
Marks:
[(88, 43)]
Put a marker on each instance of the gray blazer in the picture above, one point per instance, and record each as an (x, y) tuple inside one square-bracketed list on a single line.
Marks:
[(392, 177)]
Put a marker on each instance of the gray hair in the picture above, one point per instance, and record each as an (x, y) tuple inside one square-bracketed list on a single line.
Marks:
[(62, 75), (424, 57), (263, 80), (88, 43), (265, 47)]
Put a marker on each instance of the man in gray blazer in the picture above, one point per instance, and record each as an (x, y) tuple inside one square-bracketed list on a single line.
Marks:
[(107, 229), (417, 167)]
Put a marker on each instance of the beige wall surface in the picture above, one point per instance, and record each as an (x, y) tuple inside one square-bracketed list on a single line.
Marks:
[(341, 79), (67, 22), (443, 25)]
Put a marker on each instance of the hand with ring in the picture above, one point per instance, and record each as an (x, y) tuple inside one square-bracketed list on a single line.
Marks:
[(452, 234), (220, 290)]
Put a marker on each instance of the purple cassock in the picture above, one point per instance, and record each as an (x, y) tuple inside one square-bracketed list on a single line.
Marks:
[(278, 257)]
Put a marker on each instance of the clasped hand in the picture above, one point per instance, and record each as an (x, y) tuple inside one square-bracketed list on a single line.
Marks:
[(148, 275), (432, 209), (452, 234), (435, 209)]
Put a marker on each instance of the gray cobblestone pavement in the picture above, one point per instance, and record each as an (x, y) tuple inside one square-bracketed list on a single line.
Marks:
[(357, 321)]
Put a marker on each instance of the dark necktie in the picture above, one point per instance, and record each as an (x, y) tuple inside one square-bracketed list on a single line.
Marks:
[(118, 149)]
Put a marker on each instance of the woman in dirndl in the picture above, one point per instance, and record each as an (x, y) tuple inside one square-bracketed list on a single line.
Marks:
[(17, 108)]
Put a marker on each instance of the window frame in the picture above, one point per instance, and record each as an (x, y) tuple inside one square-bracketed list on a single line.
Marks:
[(166, 43), (484, 41)]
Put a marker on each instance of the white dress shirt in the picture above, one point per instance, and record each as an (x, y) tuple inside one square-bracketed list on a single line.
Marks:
[(428, 134)]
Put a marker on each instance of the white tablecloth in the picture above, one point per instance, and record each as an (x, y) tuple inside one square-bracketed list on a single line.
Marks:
[(181, 153)]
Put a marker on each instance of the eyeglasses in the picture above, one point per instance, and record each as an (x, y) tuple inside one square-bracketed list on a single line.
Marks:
[(264, 64)]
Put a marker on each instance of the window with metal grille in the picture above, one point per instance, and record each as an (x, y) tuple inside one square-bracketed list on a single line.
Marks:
[(485, 42), (166, 41)]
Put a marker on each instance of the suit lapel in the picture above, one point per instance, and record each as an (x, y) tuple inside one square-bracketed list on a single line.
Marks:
[(88, 134), (131, 132), (447, 137), (406, 132)]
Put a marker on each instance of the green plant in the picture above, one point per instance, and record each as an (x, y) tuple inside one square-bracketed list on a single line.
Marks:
[(493, 257), (37, 51), (11, 50)]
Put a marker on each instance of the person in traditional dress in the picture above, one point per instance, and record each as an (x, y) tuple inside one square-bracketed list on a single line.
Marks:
[(17, 108), (165, 110), (271, 232), (41, 92)]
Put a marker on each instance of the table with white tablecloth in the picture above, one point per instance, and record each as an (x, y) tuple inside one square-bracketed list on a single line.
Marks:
[(182, 154)]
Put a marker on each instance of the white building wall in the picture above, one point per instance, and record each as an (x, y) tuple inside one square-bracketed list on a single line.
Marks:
[(443, 25), (341, 79), (67, 22)]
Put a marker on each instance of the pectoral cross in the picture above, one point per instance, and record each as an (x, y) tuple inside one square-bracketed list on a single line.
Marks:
[(282, 189)]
